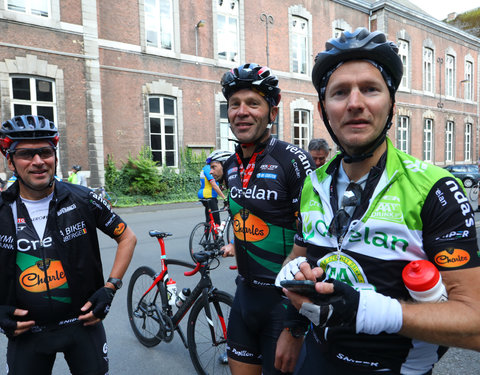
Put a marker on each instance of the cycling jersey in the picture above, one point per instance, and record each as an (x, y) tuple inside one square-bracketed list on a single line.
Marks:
[(71, 232), (416, 211), (263, 200), (206, 190)]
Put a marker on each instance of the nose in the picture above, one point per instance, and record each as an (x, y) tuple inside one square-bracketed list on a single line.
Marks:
[(37, 159), (242, 109), (355, 100)]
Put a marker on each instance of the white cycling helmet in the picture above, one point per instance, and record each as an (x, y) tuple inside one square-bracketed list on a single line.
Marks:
[(219, 155)]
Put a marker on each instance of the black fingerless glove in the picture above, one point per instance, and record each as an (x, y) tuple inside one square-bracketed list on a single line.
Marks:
[(8, 324), (101, 301)]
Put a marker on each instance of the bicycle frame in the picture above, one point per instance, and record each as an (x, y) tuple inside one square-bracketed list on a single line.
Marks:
[(201, 290)]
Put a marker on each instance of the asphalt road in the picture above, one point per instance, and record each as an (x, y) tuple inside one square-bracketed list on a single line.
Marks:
[(127, 355)]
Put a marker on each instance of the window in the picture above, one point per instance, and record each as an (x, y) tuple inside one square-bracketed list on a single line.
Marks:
[(403, 134), (301, 125), (403, 51), (468, 82), (227, 30), (428, 70), (34, 7), (275, 124), (449, 141), (428, 140), (450, 76), (159, 23), (299, 44), (34, 96), (468, 142), (163, 130), (225, 132)]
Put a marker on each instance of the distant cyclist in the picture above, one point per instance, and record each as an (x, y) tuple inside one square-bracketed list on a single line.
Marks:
[(76, 177), (209, 189)]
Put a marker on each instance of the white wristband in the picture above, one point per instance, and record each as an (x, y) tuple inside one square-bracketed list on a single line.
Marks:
[(377, 313)]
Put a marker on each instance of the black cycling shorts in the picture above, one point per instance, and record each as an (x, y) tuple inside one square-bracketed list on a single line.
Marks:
[(255, 322), (84, 347)]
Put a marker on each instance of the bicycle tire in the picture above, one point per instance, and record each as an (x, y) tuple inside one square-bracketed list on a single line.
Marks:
[(111, 197), (229, 234), (209, 357), (473, 194), (200, 239), (145, 325)]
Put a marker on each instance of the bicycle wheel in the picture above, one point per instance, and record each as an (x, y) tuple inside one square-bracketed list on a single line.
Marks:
[(209, 355), (200, 238), (144, 317), (111, 197), (473, 194), (228, 233)]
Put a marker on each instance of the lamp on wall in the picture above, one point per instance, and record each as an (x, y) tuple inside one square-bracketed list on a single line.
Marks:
[(199, 24)]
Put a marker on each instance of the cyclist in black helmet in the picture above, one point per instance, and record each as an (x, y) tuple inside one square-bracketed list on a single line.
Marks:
[(264, 178), (53, 295), (365, 216)]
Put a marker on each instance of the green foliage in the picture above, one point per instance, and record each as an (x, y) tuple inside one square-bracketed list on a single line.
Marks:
[(139, 181), (468, 21)]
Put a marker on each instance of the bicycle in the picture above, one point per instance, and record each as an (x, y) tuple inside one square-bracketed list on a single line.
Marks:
[(152, 319), (208, 235), (473, 193), (109, 196)]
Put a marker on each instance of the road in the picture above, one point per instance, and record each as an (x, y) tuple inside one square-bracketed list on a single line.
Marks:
[(127, 355)]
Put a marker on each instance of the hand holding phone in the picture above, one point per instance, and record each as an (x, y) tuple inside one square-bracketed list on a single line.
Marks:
[(303, 287)]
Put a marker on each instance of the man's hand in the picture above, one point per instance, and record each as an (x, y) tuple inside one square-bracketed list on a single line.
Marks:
[(290, 270), (100, 303), (287, 352), (9, 325), (228, 250)]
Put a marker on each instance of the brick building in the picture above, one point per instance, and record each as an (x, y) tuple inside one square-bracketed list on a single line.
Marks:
[(118, 75)]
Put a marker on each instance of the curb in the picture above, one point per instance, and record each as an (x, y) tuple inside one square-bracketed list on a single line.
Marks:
[(156, 207)]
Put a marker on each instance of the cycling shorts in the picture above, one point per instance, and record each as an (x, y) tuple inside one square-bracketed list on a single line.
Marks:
[(313, 357), (255, 322), (84, 347)]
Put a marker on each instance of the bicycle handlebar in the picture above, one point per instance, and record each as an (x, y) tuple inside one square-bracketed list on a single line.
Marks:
[(203, 257)]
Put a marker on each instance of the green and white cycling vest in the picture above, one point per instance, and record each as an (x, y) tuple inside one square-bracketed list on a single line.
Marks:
[(417, 211)]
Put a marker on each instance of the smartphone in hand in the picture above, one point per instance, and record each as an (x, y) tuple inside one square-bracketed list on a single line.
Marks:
[(303, 287)]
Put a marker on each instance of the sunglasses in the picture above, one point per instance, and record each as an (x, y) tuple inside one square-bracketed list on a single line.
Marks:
[(341, 220), (29, 153)]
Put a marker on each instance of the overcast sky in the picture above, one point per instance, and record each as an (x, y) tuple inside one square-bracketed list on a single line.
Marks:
[(441, 8)]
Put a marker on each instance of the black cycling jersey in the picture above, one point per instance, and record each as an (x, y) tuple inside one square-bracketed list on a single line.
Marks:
[(263, 200)]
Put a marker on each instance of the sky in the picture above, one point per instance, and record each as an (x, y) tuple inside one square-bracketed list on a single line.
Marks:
[(441, 8)]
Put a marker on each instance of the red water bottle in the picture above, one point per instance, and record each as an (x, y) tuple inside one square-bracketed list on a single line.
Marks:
[(424, 282)]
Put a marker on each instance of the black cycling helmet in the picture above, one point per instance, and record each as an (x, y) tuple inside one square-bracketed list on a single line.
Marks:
[(359, 45), (27, 127), (77, 167), (252, 76), (218, 155)]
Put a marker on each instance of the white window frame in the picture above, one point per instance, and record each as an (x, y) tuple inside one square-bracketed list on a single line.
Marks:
[(403, 133), (468, 82), (468, 142), (301, 129), (450, 76), (428, 140), (228, 38), (428, 66), (404, 53), (226, 133), (449, 134), (162, 26), (30, 8), (299, 40), (33, 102), (162, 116)]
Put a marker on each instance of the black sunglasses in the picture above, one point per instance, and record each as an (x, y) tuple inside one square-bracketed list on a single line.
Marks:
[(341, 220), (29, 153)]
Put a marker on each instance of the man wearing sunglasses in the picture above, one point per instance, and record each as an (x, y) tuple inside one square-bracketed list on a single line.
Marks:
[(365, 215), (53, 295)]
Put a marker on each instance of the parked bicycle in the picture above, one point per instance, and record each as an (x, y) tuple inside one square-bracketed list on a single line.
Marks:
[(109, 196), (210, 235), (151, 306)]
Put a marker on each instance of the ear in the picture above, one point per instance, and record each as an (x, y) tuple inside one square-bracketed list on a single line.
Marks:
[(273, 114), (319, 108), (10, 164)]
